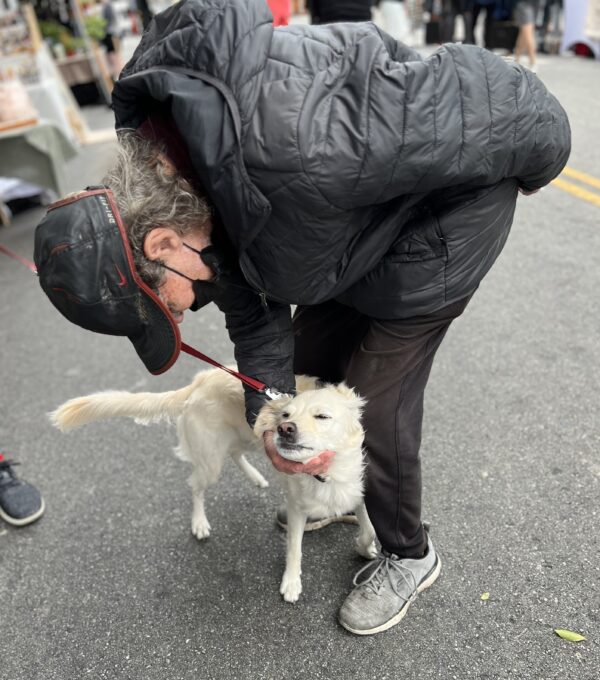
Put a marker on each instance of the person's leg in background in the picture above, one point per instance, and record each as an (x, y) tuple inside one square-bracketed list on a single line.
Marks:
[(525, 16), (113, 55), (475, 10), (395, 19), (488, 25), (465, 9), (447, 20), (550, 23)]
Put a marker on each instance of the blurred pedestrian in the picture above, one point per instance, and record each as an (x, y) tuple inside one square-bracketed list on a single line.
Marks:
[(550, 23), (332, 168), (281, 10), (333, 11), (525, 15), (298, 7), (451, 9), (145, 12), (394, 19), (111, 40), (478, 6), (20, 502)]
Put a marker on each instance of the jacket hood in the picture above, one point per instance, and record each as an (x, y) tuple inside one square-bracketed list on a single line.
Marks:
[(202, 61), (226, 39)]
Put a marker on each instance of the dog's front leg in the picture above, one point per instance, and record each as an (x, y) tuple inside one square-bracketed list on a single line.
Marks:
[(365, 540), (291, 585)]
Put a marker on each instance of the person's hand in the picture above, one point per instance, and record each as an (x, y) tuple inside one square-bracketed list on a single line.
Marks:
[(315, 466)]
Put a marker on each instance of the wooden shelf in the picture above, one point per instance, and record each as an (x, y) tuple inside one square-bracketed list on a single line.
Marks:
[(8, 125)]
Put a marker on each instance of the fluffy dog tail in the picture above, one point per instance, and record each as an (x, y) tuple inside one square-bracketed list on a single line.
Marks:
[(145, 407)]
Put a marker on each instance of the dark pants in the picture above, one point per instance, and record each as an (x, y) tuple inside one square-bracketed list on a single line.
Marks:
[(388, 362), (450, 10), (489, 21)]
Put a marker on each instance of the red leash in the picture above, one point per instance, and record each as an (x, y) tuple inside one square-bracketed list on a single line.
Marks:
[(18, 258), (251, 382)]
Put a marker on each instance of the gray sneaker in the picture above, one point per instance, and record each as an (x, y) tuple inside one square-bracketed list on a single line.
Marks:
[(20, 502), (313, 523), (388, 587)]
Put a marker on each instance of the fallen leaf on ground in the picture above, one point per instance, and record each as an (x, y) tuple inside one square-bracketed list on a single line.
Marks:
[(569, 635)]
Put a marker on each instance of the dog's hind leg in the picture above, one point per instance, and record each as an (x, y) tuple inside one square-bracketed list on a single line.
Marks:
[(365, 540), (199, 483), (206, 451), (249, 470)]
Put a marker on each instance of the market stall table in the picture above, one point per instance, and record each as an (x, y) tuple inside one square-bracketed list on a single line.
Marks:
[(38, 154)]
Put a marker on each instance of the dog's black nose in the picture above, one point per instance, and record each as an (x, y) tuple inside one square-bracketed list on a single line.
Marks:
[(287, 430)]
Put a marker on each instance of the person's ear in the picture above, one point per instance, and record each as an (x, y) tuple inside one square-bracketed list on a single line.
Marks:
[(161, 242), (167, 164)]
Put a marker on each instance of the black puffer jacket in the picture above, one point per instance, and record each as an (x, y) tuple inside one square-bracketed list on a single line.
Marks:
[(321, 147)]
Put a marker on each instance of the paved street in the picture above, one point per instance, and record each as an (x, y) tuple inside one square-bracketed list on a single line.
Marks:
[(110, 584)]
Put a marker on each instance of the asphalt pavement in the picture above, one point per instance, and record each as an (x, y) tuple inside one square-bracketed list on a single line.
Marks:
[(110, 584)]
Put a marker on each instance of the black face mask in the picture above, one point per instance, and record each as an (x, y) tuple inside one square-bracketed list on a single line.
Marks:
[(205, 291), (224, 288)]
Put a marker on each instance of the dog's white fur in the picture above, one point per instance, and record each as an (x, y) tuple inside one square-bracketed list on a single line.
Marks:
[(209, 414)]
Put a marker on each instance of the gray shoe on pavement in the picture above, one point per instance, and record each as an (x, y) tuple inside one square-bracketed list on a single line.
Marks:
[(313, 523), (386, 590), (20, 502)]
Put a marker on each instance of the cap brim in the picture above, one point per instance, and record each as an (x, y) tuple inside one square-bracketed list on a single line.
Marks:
[(159, 343)]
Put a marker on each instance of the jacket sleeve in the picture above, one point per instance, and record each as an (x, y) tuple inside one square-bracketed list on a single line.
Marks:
[(463, 116), (263, 340)]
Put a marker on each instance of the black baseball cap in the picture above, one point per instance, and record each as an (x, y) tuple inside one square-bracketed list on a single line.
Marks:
[(86, 268)]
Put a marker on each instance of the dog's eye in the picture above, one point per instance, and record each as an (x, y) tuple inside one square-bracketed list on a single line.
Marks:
[(322, 416), (285, 415)]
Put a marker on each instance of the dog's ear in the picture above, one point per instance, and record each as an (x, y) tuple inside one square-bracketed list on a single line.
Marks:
[(355, 401), (266, 419), (308, 382)]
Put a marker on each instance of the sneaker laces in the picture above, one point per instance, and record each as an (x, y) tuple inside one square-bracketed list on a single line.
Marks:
[(391, 569), (7, 474)]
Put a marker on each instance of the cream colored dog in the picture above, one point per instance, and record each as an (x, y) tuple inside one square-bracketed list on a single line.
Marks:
[(211, 425)]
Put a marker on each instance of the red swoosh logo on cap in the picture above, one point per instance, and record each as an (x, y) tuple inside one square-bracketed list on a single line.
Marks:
[(123, 280)]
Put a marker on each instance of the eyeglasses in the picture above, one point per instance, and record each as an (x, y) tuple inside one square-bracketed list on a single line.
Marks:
[(175, 271)]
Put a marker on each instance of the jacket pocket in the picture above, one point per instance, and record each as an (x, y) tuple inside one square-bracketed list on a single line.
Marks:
[(421, 240), (410, 280)]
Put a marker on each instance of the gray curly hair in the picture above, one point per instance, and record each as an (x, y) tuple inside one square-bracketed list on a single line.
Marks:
[(149, 195)]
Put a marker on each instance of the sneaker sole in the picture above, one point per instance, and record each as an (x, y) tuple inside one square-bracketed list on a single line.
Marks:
[(429, 581), (26, 520), (319, 524)]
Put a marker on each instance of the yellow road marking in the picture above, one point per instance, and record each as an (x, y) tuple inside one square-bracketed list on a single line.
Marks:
[(582, 177), (577, 191)]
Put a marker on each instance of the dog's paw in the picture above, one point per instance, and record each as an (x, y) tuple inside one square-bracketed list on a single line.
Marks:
[(261, 482), (291, 587), (200, 528), (367, 550)]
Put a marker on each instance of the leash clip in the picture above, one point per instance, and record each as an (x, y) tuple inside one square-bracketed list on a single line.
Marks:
[(273, 394)]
